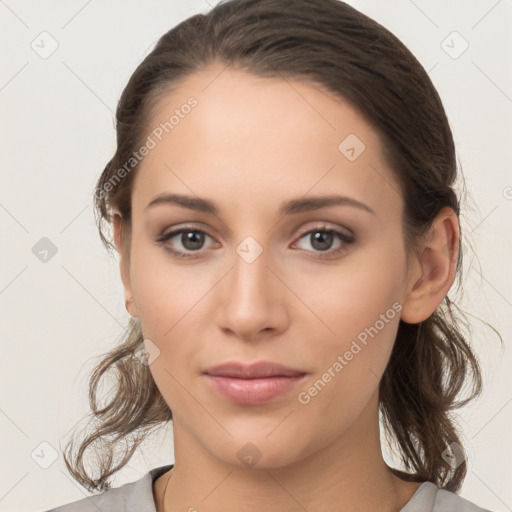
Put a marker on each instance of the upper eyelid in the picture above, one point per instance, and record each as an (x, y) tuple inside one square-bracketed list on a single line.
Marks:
[(325, 227), (321, 225)]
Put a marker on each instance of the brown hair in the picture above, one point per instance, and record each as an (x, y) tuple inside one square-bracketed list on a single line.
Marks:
[(329, 43)]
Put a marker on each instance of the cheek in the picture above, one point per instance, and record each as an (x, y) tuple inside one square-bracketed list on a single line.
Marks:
[(169, 308), (354, 296), (171, 301), (359, 305), (162, 290), (350, 364)]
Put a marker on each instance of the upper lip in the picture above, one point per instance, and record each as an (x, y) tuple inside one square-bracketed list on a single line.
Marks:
[(259, 369)]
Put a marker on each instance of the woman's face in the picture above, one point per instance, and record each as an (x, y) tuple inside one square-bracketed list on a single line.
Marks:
[(272, 275)]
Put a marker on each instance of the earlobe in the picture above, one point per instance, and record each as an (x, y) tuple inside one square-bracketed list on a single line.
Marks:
[(129, 304), (119, 243), (435, 270)]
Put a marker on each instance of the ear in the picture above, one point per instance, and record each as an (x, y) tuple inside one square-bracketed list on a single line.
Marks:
[(434, 271), (122, 247)]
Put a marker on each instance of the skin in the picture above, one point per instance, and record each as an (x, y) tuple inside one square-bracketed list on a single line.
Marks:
[(251, 144)]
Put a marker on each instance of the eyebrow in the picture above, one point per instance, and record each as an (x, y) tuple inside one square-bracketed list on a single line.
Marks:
[(293, 206)]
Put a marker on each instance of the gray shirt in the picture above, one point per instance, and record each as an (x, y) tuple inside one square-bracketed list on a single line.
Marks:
[(138, 497)]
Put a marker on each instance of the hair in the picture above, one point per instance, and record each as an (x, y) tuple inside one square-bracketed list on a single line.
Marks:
[(331, 44)]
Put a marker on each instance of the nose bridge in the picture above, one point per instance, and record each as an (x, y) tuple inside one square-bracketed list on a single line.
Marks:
[(250, 276), (251, 301)]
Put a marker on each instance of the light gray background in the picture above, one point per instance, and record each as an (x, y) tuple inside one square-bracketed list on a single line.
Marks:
[(57, 135)]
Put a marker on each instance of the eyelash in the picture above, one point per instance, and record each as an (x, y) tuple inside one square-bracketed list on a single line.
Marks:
[(344, 238)]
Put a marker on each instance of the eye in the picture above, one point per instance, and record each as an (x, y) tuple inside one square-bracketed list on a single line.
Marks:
[(191, 240), (322, 238)]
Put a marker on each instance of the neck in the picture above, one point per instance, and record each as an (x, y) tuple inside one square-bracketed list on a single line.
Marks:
[(347, 475)]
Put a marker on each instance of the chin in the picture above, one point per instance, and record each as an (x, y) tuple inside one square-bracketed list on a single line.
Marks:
[(259, 450)]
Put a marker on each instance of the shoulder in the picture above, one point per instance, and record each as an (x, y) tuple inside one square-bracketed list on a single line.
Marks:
[(131, 497), (430, 498)]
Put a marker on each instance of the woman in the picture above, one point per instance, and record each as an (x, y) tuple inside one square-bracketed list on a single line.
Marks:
[(282, 202)]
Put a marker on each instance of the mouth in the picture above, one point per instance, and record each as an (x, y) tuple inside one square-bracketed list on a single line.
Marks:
[(253, 384)]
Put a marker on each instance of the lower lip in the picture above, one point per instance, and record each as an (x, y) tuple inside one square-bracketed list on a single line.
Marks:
[(253, 391)]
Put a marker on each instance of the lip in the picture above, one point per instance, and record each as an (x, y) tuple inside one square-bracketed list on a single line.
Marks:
[(256, 370), (253, 384)]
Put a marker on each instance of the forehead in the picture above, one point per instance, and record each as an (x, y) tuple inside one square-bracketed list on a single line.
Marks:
[(252, 139)]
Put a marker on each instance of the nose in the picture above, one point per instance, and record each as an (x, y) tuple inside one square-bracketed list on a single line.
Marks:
[(252, 301)]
